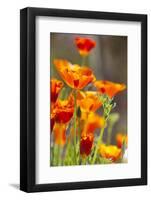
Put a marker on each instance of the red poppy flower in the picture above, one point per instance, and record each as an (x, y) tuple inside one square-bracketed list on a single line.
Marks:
[(84, 45), (86, 143), (63, 110)]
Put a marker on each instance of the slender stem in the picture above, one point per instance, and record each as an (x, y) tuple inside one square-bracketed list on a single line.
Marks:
[(109, 134), (108, 106), (52, 150), (68, 155), (59, 148), (97, 145), (58, 155), (78, 142), (83, 161), (54, 155), (75, 127), (83, 60)]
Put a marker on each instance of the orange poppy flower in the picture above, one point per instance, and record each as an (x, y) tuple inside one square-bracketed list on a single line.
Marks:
[(84, 45), (111, 152), (63, 110), (88, 101), (92, 122), (75, 76), (109, 88), (59, 134), (56, 86), (120, 139), (86, 143)]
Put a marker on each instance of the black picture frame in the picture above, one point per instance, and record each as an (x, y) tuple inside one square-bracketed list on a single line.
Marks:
[(28, 99)]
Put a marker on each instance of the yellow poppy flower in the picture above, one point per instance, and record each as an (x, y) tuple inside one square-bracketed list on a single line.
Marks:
[(111, 152)]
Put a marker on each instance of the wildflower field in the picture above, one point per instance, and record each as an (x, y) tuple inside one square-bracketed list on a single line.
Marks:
[(85, 118)]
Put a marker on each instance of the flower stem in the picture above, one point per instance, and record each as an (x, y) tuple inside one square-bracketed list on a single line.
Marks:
[(97, 145), (109, 134), (83, 161), (75, 127), (83, 60), (58, 155), (53, 156)]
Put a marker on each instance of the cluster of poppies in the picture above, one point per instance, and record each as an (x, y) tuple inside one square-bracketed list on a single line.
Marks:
[(75, 118)]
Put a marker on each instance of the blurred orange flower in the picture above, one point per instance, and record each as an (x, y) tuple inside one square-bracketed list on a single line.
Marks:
[(52, 120), (75, 76), (59, 134), (120, 139), (63, 110), (109, 88), (56, 86), (92, 122), (111, 152), (84, 45), (86, 143), (88, 101)]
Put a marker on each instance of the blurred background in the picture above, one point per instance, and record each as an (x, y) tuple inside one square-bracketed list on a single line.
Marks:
[(108, 60)]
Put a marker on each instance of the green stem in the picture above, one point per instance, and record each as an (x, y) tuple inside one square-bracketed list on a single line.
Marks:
[(83, 60), (52, 152), (58, 155), (107, 107), (83, 161), (67, 150), (109, 134), (98, 144), (75, 127), (54, 155)]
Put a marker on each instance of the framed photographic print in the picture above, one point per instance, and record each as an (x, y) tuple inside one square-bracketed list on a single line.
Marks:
[(83, 99)]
